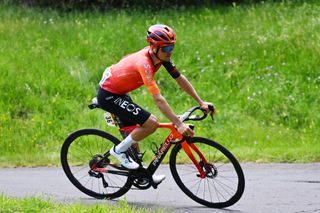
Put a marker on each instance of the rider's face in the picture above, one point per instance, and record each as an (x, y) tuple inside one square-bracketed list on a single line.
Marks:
[(165, 53)]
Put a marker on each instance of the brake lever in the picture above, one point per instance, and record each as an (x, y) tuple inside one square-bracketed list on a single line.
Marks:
[(212, 111), (211, 115)]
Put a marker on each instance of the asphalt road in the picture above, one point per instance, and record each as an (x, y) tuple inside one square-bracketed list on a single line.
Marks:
[(269, 188)]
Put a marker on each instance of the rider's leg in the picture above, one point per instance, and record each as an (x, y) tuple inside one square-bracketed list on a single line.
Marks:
[(138, 134), (142, 132), (145, 129)]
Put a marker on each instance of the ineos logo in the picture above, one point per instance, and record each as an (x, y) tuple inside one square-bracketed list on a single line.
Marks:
[(127, 106)]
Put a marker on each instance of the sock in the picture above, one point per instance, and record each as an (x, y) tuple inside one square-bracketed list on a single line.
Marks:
[(125, 144)]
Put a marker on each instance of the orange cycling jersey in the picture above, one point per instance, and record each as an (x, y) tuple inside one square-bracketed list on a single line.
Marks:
[(132, 72)]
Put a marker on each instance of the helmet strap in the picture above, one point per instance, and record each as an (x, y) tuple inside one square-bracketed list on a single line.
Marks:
[(157, 54)]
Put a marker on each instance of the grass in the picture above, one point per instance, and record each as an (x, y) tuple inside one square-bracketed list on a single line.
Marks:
[(36, 204), (258, 63)]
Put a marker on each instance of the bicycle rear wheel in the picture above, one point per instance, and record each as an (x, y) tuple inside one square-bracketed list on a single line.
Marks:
[(83, 149), (223, 184)]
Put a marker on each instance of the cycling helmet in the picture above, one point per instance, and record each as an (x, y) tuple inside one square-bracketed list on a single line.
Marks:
[(161, 35)]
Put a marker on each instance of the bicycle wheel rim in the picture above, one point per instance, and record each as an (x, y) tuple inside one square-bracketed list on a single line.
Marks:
[(224, 184), (76, 153)]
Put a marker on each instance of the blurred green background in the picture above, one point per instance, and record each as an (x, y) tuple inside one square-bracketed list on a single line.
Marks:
[(258, 63)]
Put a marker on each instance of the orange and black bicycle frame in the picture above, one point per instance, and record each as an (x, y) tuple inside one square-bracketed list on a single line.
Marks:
[(165, 146)]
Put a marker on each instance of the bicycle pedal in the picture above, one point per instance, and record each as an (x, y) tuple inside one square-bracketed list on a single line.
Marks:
[(155, 185)]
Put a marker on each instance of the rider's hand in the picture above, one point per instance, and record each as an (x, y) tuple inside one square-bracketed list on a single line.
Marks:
[(205, 106), (185, 130)]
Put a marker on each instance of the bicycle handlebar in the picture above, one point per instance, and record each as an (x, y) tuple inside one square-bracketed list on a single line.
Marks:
[(187, 116)]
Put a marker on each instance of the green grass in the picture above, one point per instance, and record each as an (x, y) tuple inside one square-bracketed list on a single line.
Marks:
[(258, 63), (35, 204)]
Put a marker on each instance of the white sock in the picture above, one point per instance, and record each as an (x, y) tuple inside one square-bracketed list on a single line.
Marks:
[(125, 144)]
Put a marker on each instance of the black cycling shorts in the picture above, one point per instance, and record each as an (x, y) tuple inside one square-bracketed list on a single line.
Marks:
[(123, 107)]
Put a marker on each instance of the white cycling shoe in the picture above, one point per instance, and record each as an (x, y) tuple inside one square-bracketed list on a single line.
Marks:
[(125, 160), (158, 178), (129, 163)]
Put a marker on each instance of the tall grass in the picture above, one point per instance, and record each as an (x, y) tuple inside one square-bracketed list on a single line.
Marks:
[(258, 63), (36, 204)]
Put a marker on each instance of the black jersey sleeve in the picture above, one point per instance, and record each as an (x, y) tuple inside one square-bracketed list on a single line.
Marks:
[(171, 68)]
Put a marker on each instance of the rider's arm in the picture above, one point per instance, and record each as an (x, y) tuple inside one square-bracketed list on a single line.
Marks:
[(164, 107), (168, 112), (188, 88), (185, 84), (147, 76)]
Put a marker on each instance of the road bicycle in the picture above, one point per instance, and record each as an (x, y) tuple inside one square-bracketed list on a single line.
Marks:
[(203, 169)]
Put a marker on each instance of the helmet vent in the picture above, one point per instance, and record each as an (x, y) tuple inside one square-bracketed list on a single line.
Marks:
[(162, 36), (154, 37)]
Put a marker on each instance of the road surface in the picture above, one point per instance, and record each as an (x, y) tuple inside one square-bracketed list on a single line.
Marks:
[(269, 188)]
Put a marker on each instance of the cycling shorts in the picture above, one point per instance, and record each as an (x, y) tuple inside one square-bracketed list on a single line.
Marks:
[(123, 107)]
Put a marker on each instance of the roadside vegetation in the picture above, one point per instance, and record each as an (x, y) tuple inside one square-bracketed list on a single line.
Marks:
[(259, 64), (36, 204)]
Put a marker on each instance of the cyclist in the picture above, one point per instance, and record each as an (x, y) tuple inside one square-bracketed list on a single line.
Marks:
[(133, 71)]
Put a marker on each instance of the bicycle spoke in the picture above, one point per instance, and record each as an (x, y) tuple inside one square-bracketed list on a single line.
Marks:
[(82, 150), (188, 173), (219, 159), (198, 187), (218, 191), (224, 186), (112, 182), (209, 190), (204, 190), (82, 168), (188, 181), (87, 181), (235, 181), (83, 177), (198, 181), (99, 186), (92, 183), (78, 158), (118, 178), (222, 165)]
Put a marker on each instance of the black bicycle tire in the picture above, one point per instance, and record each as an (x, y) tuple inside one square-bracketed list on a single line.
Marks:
[(228, 154), (74, 181)]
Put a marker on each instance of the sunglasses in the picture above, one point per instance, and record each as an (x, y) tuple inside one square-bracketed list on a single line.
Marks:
[(167, 49)]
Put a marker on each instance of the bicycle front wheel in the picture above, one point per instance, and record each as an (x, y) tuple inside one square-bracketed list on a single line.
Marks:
[(83, 149), (223, 184)]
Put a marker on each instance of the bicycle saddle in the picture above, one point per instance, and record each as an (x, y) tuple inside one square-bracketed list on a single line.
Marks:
[(94, 103)]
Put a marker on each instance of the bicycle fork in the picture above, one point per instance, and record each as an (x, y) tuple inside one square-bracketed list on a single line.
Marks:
[(186, 148)]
